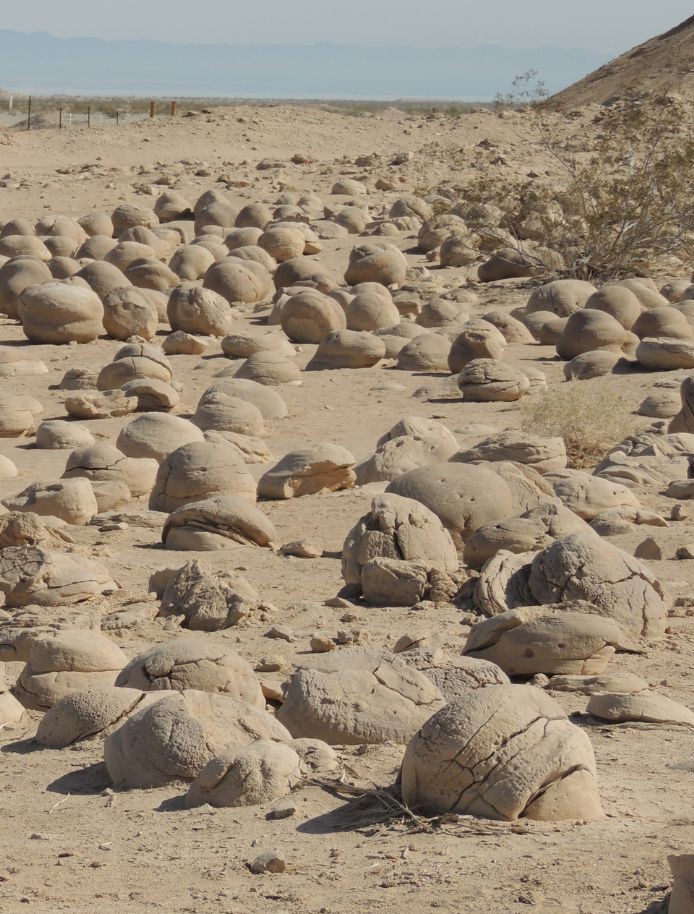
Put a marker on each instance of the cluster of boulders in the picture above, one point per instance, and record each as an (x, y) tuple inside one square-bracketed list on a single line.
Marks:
[(498, 525)]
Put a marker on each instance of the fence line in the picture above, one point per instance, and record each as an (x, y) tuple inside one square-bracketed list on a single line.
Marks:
[(173, 110)]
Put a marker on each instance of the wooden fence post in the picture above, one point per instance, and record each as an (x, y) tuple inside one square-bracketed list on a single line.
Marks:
[(173, 109), (151, 109), (29, 115), (89, 115)]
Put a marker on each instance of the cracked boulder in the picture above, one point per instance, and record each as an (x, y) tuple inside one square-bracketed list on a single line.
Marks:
[(400, 531), (71, 500), (27, 529), (105, 463), (216, 523), (88, 712), (66, 660), (247, 776), (34, 574), (684, 420), (322, 467), (584, 567), (543, 639), (358, 696), (198, 663), (502, 752), (208, 600), (528, 532), (198, 470), (491, 380), (174, 738)]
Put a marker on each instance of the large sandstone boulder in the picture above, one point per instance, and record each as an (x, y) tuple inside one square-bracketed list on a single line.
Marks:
[(376, 262), (479, 340), (71, 500), (308, 316), (531, 531), (588, 496), (561, 297), (584, 567), (174, 738), (398, 529), (57, 312), (358, 696), (322, 467), (16, 275), (502, 752), (34, 574), (489, 380), (198, 470), (196, 310), (663, 354), (426, 352), (545, 455), (413, 442), (208, 601), (247, 776), (238, 280), (463, 496), (104, 463), (590, 329), (18, 414), (216, 523), (540, 639), (156, 435), (66, 660), (348, 349), (193, 663)]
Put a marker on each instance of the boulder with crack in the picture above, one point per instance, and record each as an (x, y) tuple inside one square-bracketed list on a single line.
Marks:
[(358, 696), (544, 639), (208, 600), (321, 467), (503, 752), (174, 738), (193, 663), (247, 776), (34, 574)]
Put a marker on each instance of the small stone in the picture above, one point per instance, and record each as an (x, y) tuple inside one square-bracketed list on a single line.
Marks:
[(268, 665), (540, 681), (679, 512), (268, 862), (272, 690), (281, 633), (302, 549), (685, 552), (284, 810), (322, 643), (648, 549)]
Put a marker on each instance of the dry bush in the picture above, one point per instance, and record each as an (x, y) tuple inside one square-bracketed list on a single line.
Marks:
[(616, 210), (590, 418)]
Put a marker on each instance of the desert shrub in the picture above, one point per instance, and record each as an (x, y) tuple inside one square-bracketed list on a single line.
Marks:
[(590, 418), (618, 209)]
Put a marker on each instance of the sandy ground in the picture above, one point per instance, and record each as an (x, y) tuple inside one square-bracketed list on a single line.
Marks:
[(65, 845)]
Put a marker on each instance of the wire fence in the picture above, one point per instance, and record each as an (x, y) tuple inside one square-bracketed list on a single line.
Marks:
[(27, 114)]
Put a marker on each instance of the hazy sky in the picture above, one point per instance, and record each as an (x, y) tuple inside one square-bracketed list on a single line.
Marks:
[(603, 25)]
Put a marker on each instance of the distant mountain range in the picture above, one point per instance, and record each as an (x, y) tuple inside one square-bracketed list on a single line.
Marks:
[(40, 63)]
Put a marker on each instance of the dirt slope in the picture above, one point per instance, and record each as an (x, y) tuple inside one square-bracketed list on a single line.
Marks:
[(664, 63)]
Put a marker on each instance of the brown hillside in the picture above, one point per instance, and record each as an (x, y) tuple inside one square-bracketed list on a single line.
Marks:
[(664, 63)]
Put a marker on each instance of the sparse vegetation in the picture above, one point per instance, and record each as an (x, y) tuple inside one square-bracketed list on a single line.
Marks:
[(620, 205), (579, 412)]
